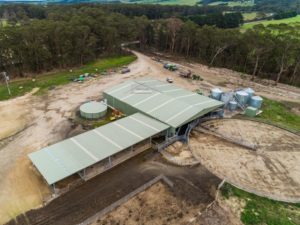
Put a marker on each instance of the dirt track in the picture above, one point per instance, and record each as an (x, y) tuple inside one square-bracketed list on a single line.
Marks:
[(273, 170), (43, 120), (195, 185)]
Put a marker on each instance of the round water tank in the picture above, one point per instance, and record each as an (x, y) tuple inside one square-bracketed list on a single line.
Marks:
[(232, 105), (93, 110), (216, 93), (242, 97), (256, 102), (250, 91)]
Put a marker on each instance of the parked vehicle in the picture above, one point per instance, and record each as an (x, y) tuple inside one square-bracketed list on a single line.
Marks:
[(125, 70), (171, 67), (169, 80)]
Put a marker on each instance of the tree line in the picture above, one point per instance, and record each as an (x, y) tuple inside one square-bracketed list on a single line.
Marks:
[(27, 11), (283, 15), (221, 20), (72, 37), (276, 6), (271, 52)]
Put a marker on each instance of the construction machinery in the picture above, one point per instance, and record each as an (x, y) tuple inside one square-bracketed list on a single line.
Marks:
[(185, 74), (171, 67)]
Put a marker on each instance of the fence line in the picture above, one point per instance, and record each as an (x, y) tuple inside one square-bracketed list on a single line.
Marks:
[(126, 198)]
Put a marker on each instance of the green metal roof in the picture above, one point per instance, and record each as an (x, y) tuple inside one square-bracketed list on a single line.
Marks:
[(70, 156), (166, 102)]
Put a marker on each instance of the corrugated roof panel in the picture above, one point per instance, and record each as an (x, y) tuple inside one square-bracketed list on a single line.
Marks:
[(49, 165), (168, 100), (152, 103), (90, 140), (72, 155)]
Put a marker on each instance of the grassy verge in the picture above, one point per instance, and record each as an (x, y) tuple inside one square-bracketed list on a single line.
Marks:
[(259, 210), (279, 114), (44, 82)]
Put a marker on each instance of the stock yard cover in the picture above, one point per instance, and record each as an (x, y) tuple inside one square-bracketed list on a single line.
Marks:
[(72, 155)]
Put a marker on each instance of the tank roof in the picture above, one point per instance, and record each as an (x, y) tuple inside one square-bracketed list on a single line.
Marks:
[(93, 107)]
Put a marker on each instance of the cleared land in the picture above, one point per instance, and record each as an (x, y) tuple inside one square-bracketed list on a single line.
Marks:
[(160, 205), (290, 21), (163, 2), (3, 23), (273, 170), (249, 16), (234, 3), (190, 2), (157, 205), (43, 82), (193, 187), (48, 122)]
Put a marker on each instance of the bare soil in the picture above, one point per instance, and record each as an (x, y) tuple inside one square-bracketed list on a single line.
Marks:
[(160, 205), (179, 154), (218, 214), (33, 122), (157, 205), (273, 170), (229, 79), (193, 186)]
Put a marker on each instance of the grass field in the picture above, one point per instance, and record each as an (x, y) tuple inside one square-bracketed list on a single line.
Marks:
[(259, 210), (234, 3), (249, 16), (44, 82), (3, 23), (189, 2), (280, 114), (164, 2), (268, 22), (177, 2)]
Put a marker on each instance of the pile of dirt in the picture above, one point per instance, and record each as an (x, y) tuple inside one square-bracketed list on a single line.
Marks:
[(179, 153), (273, 170)]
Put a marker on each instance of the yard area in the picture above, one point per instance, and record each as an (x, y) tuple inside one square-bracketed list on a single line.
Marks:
[(48, 80)]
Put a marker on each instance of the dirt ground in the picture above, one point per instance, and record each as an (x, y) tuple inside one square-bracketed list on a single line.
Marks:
[(38, 121), (228, 80), (179, 154), (273, 170), (159, 205), (156, 205), (193, 185)]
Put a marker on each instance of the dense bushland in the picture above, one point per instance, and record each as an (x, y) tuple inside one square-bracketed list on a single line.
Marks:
[(73, 35)]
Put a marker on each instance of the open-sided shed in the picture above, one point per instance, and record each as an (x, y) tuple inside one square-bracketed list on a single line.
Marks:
[(73, 155)]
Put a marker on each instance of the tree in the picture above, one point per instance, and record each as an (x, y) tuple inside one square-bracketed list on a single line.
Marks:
[(174, 25), (187, 36)]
